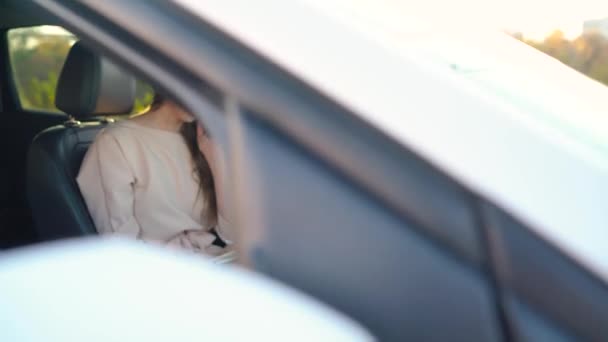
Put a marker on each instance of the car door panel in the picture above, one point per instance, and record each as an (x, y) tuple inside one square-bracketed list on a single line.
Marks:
[(327, 237), (538, 274), (530, 326)]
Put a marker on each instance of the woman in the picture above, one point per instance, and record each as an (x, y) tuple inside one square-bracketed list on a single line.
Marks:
[(146, 177)]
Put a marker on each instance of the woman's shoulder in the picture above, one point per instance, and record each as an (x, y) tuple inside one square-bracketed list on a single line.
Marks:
[(117, 134), (121, 131)]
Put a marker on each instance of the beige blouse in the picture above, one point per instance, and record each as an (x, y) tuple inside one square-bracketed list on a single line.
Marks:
[(139, 181)]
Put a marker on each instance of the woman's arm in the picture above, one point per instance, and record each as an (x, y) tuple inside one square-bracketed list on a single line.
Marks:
[(107, 184), (217, 166)]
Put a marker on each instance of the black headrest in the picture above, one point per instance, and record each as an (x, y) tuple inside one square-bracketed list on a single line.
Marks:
[(90, 85)]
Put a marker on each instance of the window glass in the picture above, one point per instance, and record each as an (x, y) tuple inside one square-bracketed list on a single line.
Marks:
[(143, 97), (37, 55)]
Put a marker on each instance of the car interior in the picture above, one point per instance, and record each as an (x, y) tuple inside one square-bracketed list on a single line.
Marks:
[(44, 147), (88, 87)]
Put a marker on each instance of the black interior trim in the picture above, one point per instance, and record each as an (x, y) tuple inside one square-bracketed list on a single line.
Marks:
[(22, 13), (10, 101), (3, 78)]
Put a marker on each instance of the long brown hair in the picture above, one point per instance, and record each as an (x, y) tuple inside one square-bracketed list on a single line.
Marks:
[(202, 170)]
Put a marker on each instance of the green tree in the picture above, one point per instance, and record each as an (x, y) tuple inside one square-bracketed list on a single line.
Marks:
[(592, 56), (36, 59), (587, 53), (143, 97)]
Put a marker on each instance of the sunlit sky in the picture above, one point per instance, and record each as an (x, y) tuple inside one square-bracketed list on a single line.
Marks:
[(534, 18), (537, 18)]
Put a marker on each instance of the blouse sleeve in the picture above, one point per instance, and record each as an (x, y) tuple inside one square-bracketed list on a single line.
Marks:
[(106, 181), (224, 230)]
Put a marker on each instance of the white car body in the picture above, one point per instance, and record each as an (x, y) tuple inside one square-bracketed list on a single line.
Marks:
[(115, 290), (548, 167)]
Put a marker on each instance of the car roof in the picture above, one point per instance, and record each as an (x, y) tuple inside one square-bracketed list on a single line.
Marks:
[(374, 62)]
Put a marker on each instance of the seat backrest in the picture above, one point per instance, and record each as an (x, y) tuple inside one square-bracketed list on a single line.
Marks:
[(89, 86)]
